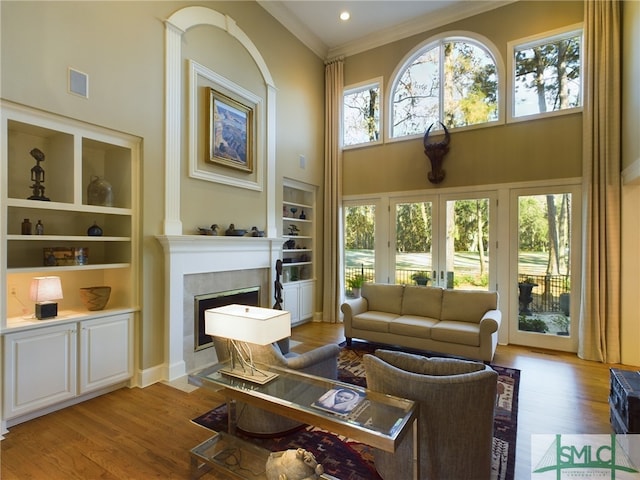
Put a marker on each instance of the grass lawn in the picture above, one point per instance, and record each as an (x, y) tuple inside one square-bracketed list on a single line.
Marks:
[(530, 263)]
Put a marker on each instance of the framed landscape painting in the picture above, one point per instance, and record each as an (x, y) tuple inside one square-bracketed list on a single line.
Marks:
[(230, 132)]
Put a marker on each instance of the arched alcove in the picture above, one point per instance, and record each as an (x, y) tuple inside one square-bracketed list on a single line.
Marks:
[(175, 26)]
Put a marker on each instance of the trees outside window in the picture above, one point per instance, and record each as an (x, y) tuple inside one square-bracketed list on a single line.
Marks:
[(547, 74), (452, 80), (361, 114)]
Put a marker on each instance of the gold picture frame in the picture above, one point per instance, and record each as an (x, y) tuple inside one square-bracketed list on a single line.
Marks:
[(230, 132)]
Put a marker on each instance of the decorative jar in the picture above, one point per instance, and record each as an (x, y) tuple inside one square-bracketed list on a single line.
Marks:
[(99, 192)]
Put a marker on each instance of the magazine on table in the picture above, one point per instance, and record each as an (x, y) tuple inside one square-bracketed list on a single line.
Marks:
[(339, 400)]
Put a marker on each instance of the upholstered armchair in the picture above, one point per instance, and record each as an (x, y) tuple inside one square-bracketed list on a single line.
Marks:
[(456, 401), (322, 362)]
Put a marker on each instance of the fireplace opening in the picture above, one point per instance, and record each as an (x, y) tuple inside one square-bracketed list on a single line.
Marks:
[(242, 296)]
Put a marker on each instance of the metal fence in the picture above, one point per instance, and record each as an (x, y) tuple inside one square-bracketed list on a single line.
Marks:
[(403, 277), (550, 293)]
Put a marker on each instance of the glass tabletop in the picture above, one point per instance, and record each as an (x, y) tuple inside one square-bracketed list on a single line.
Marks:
[(376, 419)]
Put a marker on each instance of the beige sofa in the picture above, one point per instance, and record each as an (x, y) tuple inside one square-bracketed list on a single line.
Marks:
[(454, 322)]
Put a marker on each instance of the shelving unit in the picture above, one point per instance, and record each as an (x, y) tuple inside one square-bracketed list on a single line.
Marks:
[(75, 153), (298, 254)]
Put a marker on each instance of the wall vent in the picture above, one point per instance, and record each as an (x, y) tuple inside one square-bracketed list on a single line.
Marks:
[(78, 83)]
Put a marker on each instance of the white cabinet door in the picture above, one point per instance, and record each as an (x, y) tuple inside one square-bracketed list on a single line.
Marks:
[(106, 351), (306, 300), (39, 368), (291, 301)]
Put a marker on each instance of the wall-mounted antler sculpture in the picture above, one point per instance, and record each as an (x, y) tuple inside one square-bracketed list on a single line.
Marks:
[(436, 153)]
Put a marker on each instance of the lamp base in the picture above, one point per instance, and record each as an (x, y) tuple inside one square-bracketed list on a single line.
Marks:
[(46, 310), (256, 377)]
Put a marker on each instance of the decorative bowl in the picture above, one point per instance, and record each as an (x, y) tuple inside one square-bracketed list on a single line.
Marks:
[(95, 298)]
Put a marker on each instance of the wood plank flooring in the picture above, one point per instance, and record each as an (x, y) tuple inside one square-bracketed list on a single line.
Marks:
[(146, 433)]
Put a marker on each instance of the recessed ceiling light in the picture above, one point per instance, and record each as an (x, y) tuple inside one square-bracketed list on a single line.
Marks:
[(345, 16)]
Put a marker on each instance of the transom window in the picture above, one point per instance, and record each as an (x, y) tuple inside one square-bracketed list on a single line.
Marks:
[(361, 113), (453, 80), (547, 73)]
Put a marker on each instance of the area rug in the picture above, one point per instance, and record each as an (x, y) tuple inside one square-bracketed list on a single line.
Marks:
[(348, 460), (341, 457)]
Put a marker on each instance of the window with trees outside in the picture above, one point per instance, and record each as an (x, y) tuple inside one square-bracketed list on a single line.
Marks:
[(453, 80), (547, 73), (361, 114)]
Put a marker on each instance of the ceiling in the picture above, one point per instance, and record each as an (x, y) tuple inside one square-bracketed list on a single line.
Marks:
[(373, 22)]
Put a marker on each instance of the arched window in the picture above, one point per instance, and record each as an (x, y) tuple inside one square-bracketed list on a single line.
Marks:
[(453, 79)]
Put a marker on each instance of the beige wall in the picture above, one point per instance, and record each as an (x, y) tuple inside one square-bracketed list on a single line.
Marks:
[(120, 45), (630, 334), (533, 150)]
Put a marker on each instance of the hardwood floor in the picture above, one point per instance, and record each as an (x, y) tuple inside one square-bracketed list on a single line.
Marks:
[(146, 433)]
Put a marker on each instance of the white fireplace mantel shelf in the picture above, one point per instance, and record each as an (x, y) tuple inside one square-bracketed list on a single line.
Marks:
[(196, 254), (205, 243)]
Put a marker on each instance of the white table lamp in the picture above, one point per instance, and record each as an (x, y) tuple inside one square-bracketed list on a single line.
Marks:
[(242, 324), (44, 290)]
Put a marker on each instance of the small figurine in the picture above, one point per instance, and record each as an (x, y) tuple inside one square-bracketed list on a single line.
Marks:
[(214, 229), (293, 230), (256, 233), (37, 176), (231, 230)]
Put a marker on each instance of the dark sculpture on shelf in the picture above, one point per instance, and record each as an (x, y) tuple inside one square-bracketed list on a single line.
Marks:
[(436, 153), (37, 176)]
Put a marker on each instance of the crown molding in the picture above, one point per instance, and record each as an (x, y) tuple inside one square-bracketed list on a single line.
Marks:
[(278, 11), (416, 26), (452, 13)]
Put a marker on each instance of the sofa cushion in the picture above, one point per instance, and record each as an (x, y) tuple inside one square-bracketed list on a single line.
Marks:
[(412, 326), (451, 331), (383, 297), (422, 301), (373, 321), (467, 305)]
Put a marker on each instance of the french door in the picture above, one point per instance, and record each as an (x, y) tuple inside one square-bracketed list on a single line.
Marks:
[(361, 244), (545, 267), (438, 240), (445, 237)]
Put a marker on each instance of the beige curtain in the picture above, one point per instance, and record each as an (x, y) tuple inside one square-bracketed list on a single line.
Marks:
[(600, 299), (332, 191)]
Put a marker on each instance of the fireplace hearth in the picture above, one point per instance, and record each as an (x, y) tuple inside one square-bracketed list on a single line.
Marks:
[(198, 265), (243, 296)]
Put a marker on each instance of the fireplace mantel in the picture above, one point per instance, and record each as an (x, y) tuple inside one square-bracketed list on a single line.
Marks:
[(194, 254)]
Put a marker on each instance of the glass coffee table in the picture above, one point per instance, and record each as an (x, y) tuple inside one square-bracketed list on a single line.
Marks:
[(372, 418)]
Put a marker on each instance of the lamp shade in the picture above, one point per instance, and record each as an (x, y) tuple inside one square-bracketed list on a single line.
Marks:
[(243, 323), (45, 289)]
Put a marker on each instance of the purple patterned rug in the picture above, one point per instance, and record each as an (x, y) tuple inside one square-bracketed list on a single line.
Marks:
[(349, 460), (339, 456)]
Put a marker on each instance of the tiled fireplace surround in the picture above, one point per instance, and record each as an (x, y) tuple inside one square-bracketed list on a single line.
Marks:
[(197, 265), (203, 283)]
